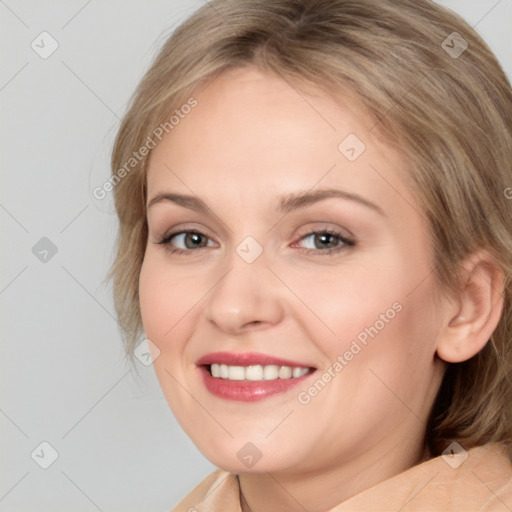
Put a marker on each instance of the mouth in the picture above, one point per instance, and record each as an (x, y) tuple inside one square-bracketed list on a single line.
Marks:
[(256, 372), (249, 377)]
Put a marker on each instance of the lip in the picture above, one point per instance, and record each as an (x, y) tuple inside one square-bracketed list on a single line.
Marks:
[(247, 359), (247, 391)]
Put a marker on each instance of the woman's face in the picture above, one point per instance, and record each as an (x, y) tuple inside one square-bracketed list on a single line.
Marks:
[(298, 270)]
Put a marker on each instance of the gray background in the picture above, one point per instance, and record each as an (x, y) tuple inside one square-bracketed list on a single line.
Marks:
[(63, 376)]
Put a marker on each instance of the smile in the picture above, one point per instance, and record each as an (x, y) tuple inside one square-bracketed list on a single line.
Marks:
[(256, 372), (249, 377)]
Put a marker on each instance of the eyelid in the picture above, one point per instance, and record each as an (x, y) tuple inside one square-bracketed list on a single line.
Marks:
[(169, 236), (324, 227), (162, 232), (346, 241), (336, 234), (175, 236)]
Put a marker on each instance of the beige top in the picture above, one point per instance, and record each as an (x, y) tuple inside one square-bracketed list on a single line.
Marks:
[(481, 482)]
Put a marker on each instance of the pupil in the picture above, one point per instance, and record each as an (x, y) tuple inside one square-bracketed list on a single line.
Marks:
[(325, 240), (193, 240)]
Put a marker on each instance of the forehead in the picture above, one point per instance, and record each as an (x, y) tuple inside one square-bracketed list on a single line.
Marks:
[(253, 131)]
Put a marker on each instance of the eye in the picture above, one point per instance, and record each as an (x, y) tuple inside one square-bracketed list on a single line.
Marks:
[(186, 241), (325, 241)]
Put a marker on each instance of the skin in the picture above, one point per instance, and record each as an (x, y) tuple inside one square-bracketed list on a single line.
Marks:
[(252, 140)]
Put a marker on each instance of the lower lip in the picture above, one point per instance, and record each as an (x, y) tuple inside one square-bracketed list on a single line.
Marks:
[(247, 390)]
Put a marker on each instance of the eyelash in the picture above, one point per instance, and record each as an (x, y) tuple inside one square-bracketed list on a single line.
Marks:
[(345, 242), (166, 241)]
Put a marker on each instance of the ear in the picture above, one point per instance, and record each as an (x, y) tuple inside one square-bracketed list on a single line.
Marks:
[(475, 310)]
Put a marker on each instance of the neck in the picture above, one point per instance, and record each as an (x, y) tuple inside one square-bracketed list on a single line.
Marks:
[(320, 491)]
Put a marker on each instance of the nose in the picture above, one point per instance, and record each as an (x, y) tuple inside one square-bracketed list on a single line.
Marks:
[(247, 297)]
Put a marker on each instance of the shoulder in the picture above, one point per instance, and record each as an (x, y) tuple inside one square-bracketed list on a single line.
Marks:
[(218, 491), (479, 479)]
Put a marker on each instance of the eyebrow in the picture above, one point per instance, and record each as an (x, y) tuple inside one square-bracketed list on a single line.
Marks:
[(299, 200), (287, 204), (190, 202)]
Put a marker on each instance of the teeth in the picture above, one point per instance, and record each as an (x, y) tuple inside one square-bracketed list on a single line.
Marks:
[(270, 372), (223, 371), (299, 372), (256, 372), (236, 373), (285, 372)]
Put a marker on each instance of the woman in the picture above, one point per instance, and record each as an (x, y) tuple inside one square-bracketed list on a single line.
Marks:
[(315, 237)]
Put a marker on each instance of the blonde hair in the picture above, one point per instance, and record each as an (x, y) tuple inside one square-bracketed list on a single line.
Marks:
[(449, 113)]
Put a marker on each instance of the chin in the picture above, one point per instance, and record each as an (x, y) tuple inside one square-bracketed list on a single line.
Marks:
[(240, 456)]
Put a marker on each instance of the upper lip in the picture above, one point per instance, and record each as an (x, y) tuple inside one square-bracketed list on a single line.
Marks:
[(247, 359)]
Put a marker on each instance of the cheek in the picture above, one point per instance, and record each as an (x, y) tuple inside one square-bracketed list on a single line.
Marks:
[(340, 304), (395, 353), (167, 303), (381, 360), (382, 314), (166, 300)]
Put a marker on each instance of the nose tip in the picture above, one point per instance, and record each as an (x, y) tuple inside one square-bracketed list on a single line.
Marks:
[(246, 298), (236, 322)]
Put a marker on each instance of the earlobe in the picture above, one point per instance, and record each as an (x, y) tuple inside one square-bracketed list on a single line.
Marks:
[(476, 310)]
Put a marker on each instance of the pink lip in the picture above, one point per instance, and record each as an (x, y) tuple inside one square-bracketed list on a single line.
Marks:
[(247, 391), (247, 359)]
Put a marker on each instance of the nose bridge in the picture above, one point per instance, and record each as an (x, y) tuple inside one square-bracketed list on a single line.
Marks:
[(245, 295)]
